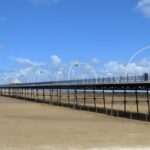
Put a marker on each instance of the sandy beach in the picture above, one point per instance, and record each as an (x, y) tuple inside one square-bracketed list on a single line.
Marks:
[(31, 126)]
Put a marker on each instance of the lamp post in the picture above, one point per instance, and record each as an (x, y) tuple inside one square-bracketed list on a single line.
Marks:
[(76, 64)]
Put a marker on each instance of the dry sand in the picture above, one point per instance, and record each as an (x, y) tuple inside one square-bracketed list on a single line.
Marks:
[(31, 126)]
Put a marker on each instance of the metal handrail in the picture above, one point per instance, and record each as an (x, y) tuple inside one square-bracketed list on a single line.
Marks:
[(104, 80)]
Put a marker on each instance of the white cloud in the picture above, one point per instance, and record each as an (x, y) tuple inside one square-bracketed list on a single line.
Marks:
[(56, 60), (34, 74), (33, 71), (15, 81), (36, 71), (144, 7), (115, 68), (28, 62), (95, 61)]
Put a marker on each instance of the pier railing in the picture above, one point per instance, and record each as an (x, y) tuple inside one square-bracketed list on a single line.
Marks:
[(103, 80)]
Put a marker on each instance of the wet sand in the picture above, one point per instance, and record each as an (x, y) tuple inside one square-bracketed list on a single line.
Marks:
[(31, 126)]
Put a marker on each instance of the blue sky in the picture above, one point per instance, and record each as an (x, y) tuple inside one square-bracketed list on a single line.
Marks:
[(85, 30)]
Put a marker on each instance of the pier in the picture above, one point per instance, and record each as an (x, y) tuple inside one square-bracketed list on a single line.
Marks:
[(121, 97)]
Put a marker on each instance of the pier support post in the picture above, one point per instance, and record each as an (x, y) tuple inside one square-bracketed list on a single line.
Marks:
[(125, 100), (137, 102), (104, 98), (68, 95), (84, 97), (112, 101), (94, 96), (148, 100), (43, 95)]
